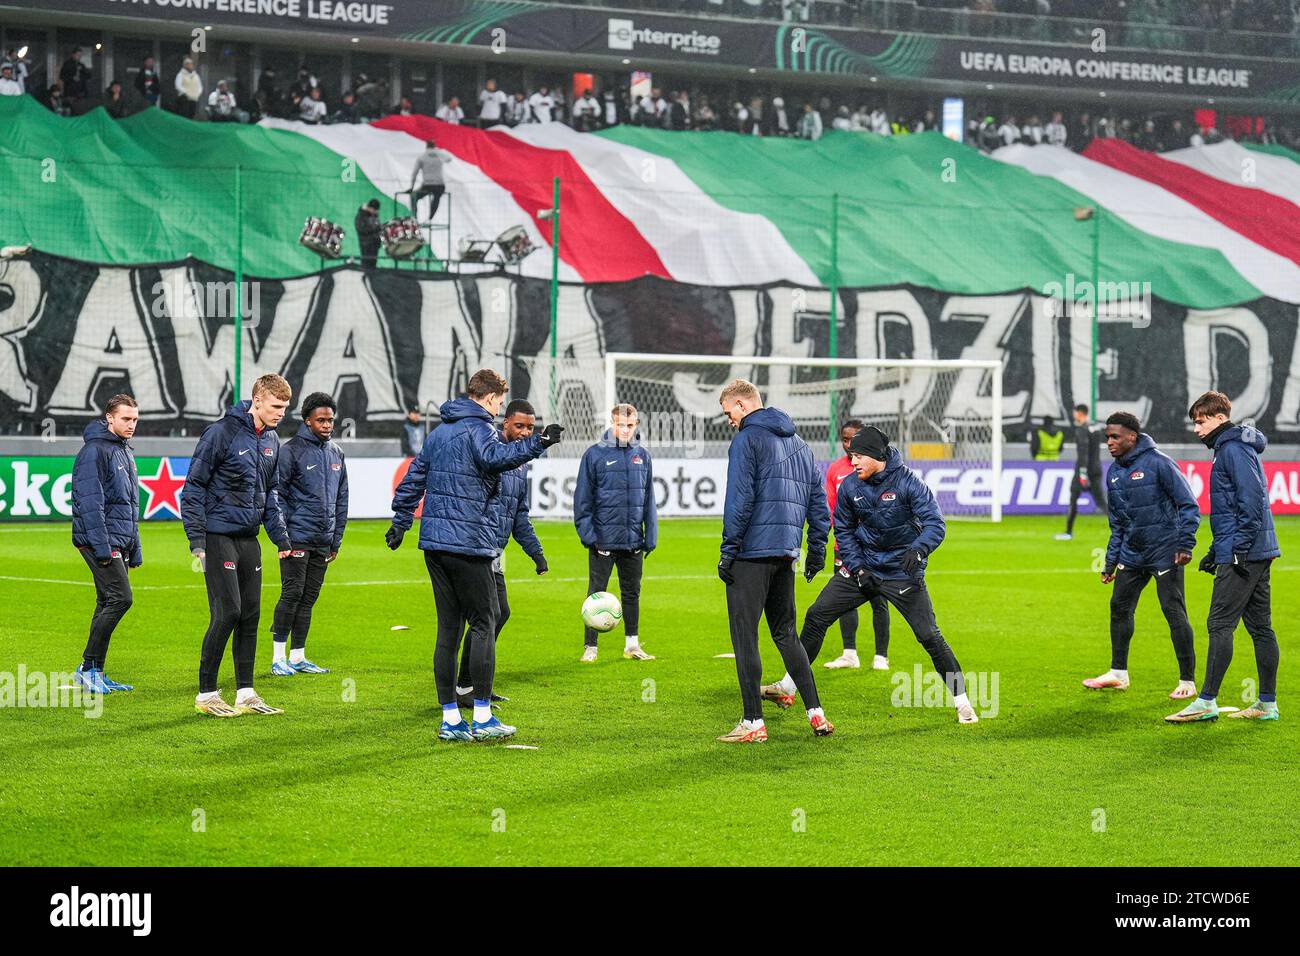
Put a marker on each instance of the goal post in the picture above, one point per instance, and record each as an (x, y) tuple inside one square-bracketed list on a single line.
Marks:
[(944, 415)]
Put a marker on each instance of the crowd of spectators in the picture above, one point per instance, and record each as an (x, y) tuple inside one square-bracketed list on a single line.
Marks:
[(72, 90), (303, 99), (1153, 133)]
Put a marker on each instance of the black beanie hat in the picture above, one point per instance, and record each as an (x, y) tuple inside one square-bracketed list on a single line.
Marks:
[(872, 442)]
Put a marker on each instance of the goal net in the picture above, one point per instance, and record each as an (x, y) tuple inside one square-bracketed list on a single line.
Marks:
[(943, 415)]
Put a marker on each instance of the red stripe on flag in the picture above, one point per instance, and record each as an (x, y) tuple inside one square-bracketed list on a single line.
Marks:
[(1266, 219), (597, 240)]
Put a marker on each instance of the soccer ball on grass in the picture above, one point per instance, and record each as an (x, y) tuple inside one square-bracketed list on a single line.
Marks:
[(601, 611)]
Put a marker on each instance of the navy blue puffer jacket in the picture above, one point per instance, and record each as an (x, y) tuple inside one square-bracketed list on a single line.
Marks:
[(1239, 511), (773, 488), (879, 520), (458, 472), (230, 487), (1153, 513), (106, 496), (313, 485), (614, 499), (512, 512)]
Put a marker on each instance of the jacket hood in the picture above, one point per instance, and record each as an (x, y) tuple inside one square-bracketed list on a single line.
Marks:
[(1251, 437), (773, 419), (242, 412), (98, 431), (893, 462), (304, 431), (459, 408), (1145, 443), (608, 439)]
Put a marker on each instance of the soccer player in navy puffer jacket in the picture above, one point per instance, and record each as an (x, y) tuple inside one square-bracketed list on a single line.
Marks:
[(1241, 557), (511, 504), (230, 489), (887, 524), (773, 490), (312, 479), (614, 511), (1153, 522), (106, 530), (457, 475)]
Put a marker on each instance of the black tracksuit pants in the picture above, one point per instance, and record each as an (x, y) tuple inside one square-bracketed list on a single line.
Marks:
[(503, 615), (1241, 598), (434, 192), (765, 586), (913, 602), (112, 601), (1096, 488), (879, 625), (301, 577), (464, 590), (629, 564), (1129, 584), (233, 572)]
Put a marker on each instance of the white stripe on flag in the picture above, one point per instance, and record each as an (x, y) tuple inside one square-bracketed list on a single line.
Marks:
[(1160, 213), (1234, 163), (480, 209), (699, 240)]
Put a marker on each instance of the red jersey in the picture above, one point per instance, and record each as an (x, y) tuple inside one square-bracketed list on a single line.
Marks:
[(837, 471)]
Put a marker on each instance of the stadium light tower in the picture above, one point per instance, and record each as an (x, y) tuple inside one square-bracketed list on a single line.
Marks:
[(553, 216)]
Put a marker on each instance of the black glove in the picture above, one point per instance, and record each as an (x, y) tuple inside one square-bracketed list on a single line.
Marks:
[(107, 562), (1239, 565), (813, 566), (913, 561), (1207, 563), (542, 566), (550, 435), (393, 537), (724, 571)]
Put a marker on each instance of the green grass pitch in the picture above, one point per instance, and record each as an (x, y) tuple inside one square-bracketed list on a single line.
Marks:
[(626, 771)]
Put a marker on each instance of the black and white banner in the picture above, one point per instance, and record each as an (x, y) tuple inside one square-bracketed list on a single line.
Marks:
[(72, 334)]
